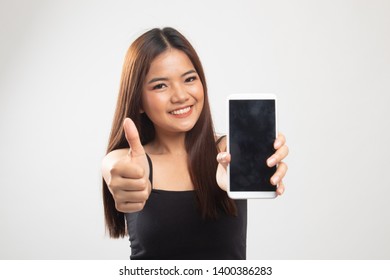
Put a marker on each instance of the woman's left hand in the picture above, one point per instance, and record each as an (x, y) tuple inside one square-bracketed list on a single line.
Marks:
[(277, 158)]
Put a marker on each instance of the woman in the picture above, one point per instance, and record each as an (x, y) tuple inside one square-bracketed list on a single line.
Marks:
[(168, 191)]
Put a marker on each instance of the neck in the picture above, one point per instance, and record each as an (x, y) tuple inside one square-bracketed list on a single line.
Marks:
[(168, 143)]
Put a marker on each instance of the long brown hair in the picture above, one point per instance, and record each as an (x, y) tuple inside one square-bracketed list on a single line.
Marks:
[(200, 140)]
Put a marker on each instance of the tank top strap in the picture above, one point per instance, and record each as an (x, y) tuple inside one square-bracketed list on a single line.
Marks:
[(150, 170)]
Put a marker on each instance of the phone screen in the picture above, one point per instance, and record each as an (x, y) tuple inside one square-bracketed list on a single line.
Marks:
[(252, 131)]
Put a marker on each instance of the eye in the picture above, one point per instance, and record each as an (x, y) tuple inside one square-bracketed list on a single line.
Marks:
[(190, 79), (159, 86)]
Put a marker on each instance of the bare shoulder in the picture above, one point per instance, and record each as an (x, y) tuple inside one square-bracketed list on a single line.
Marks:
[(220, 140)]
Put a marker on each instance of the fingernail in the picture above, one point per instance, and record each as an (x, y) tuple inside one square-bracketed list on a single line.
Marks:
[(271, 162), (280, 191), (222, 156), (277, 143), (275, 180)]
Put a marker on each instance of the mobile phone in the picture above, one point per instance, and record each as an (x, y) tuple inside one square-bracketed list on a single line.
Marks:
[(252, 128)]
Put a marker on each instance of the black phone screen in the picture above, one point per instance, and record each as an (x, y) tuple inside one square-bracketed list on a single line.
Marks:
[(252, 131)]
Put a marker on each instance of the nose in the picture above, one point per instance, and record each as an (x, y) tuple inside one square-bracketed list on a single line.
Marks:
[(179, 94)]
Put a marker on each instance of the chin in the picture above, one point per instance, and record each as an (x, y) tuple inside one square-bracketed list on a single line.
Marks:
[(184, 128)]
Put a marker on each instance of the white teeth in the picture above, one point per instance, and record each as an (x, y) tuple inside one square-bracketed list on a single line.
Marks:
[(181, 111)]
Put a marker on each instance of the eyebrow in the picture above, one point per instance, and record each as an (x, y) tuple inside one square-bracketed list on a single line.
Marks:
[(157, 79)]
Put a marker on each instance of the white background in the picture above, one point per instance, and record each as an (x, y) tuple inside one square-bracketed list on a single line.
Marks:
[(327, 61)]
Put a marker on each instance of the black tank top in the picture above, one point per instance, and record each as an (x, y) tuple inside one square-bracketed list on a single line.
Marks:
[(171, 227)]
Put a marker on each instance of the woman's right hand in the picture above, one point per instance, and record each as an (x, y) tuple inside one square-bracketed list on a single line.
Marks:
[(126, 173)]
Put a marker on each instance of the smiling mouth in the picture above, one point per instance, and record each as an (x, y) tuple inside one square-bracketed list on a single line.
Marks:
[(181, 111)]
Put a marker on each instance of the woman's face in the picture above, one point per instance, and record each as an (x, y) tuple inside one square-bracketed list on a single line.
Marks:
[(173, 94)]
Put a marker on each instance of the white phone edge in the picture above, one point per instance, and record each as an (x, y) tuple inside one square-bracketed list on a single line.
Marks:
[(249, 96)]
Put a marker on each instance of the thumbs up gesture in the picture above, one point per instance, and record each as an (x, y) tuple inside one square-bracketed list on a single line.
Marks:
[(126, 172)]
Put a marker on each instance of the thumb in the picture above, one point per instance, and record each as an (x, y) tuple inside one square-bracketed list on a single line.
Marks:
[(132, 137), (224, 159)]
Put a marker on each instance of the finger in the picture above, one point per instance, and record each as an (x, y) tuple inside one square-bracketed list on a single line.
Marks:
[(278, 156), (132, 196), (119, 184), (279, 174), (224, 158), (129, 207), (279, 141), (126, 168), (132, 137), (280, 188)]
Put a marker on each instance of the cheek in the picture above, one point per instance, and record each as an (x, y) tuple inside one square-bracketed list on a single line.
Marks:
[(151, 103), (198, 93), (201, 97)]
